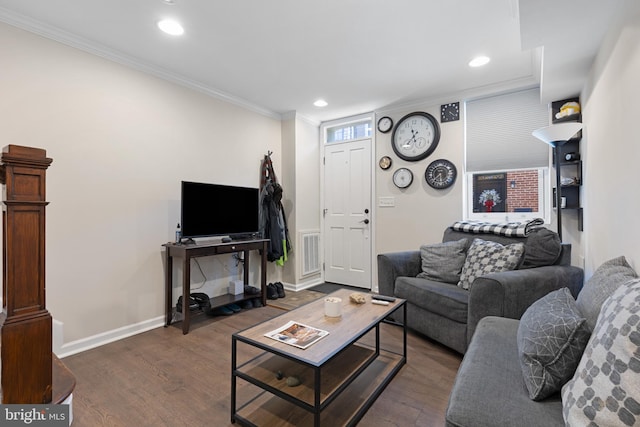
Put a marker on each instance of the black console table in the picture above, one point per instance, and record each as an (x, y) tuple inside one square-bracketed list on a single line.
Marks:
[(188, 251)]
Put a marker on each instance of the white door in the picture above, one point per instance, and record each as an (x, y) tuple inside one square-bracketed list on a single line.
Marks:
[(347, 213)]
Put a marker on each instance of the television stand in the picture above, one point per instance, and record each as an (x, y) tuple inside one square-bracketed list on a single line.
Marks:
[(186, 252), (243, 237)]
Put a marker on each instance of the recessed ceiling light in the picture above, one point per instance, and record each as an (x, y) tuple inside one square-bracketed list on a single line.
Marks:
[(479, 61), (171, 27), (321, 103)]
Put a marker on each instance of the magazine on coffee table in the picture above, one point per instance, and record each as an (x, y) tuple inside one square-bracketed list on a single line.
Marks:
[(297, 334)]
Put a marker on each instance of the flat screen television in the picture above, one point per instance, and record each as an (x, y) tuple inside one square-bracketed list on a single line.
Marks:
[(218, 210)]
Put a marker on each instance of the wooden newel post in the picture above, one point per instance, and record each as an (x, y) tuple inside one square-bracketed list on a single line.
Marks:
[(26, 331)]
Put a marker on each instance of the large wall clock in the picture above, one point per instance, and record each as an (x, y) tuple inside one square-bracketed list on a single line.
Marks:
[(440, 174), (415, 136)]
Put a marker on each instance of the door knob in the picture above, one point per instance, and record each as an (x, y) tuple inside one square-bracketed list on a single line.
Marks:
[(366, 221)]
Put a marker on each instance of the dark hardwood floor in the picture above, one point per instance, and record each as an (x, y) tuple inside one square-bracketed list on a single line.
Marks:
[(164, 378)]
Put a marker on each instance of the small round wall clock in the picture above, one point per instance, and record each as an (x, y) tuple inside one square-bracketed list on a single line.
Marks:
[(402, 178), (385, 162), (385, 124), (441, 174), (415, 136)]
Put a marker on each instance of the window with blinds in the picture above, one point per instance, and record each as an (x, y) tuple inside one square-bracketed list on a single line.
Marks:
[(506, 166)]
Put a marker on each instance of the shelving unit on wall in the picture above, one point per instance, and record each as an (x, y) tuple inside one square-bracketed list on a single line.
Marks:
[(570, 161)]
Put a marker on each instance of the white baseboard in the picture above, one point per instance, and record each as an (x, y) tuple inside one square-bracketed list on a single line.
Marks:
[(103, 338), (304, 285)]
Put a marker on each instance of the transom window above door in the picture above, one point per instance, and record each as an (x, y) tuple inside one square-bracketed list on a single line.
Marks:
[(348, 131)]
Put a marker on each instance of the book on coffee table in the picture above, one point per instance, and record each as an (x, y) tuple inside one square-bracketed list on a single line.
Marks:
[(297, 334)]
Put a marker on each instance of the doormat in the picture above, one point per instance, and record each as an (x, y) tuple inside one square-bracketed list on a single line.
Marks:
[(294, 299)]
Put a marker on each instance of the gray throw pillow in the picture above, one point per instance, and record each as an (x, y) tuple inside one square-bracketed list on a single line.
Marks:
[(485, 256), (605, 390), (551, 338), (543, 247), (443, 262), (605, 280)]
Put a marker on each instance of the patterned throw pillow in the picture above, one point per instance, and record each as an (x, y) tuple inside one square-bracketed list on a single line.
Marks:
[(552, 336), (606, 279), (605, 390), (443, 262), (485, 256)]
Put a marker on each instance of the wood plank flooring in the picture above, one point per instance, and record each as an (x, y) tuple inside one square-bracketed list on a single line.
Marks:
[(164, 378)]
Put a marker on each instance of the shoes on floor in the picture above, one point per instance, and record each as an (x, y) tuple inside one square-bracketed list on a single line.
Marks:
[(280, 289), (256, 302), (247, 304), (221, 311), (251, 290), (234, 307), (272, 291)]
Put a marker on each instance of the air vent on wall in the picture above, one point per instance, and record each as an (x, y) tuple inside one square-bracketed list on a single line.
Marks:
[(310, 244)]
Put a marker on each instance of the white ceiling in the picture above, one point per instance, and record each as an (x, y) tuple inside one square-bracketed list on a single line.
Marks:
[(279, 56)]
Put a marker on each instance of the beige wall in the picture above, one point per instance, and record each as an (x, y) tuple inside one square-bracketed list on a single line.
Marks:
[(611, 152), (288, 181), (307, 194), (301, 183), (121, 142), (421, 213)]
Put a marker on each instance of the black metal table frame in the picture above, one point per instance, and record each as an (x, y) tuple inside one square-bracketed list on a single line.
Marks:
[(318, 406)]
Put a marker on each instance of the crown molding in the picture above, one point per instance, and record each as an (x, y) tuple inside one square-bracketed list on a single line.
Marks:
[(468, 95), (522, 83), (294, 115), (69, 39)]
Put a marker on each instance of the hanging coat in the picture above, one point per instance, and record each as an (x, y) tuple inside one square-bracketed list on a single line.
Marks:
[(273, 223)]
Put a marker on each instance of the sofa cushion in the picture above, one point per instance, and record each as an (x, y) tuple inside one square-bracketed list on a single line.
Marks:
[(445, 299), (605, 280), (489, 388), (485, 256), (605, 389), (443, 261), (552, 336), (543, 247)]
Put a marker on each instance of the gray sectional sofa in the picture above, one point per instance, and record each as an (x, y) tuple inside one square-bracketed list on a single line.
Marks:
[(582, 368), (449, 314)]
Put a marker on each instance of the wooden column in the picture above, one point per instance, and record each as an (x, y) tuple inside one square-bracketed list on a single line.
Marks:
[(26, 332)]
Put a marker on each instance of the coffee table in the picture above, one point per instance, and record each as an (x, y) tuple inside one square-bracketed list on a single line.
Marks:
[(344, 371)]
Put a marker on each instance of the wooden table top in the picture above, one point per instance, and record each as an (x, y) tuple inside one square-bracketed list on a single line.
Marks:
[(356, 319)]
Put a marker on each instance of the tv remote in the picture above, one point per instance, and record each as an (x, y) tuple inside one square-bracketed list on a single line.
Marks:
[(378, 302), (383, 298)]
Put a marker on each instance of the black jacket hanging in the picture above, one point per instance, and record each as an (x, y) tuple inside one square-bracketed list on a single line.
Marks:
[(273, 223)]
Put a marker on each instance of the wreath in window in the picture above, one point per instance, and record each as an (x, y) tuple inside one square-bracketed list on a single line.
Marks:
[(489, 199)]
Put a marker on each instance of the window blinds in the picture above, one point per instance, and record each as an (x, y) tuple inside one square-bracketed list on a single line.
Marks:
[(498, 132)]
